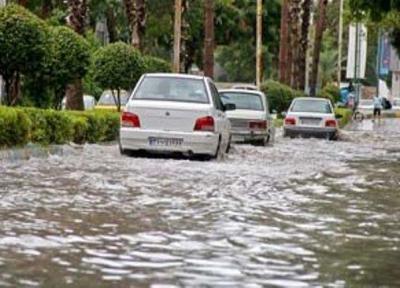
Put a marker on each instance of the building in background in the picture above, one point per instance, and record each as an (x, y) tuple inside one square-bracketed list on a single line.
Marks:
[(395, 68)]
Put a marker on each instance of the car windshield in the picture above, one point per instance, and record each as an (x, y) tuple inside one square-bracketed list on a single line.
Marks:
[(172, 89), (246, 101), (108, 99), (312, 106)]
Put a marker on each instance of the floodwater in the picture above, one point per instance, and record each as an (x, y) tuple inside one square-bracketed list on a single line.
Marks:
[(302, 213)]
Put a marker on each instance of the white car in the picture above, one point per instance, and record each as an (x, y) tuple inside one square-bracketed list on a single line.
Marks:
[(309, 116), (251, 121), (175, 113), (245, 87)]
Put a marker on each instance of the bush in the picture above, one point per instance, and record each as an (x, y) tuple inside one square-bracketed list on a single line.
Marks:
[(331, 92), (156, 65), (346, 116), (279, 95), (45, 127), (118, 66), (14, 127)]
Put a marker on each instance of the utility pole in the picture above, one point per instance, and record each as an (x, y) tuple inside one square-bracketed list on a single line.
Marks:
[(177, 36), (209, 38), (259, 65), (340, 43)]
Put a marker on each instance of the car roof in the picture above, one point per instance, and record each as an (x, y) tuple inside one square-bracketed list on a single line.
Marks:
[(311, 99), (242, 91), (175, 75)]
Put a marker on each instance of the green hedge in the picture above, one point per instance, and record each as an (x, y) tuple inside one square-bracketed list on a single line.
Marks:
[(18, 126), (346, 116), (279, 95), (331, 92)]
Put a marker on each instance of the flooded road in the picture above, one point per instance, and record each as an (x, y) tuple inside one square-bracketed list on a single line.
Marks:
[(302, 213)]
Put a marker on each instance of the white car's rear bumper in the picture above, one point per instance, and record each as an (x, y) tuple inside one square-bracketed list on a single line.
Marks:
[(248, 136), (311, 131), (189, 142)]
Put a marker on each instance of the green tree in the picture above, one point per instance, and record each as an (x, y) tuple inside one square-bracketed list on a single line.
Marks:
[(156, 65), (23, 42), (70, 61), (118, 66)]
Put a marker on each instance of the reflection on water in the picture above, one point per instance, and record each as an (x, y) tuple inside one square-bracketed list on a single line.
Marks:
[(301, 213)]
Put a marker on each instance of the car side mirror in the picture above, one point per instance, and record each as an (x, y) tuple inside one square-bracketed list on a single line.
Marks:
[(284, 114), (338, 116), (229, 107)]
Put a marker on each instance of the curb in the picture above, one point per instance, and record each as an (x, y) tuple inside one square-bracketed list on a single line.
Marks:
[(33, 151)]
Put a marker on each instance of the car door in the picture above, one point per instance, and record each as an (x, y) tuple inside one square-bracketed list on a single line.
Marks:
[(223, 124)]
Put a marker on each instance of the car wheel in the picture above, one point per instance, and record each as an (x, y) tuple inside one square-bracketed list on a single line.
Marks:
[(228, 148), (219, 153)]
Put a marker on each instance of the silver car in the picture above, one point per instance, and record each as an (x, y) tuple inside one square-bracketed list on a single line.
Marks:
[(309, 116), (251, 121)]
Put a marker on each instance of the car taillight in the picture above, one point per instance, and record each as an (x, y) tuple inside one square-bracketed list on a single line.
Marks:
[(331, 123), (205, 124), (258, 125), (290, 121), (130, 120)]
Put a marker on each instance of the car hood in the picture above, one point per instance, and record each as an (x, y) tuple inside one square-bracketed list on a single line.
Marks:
[(246, 114)]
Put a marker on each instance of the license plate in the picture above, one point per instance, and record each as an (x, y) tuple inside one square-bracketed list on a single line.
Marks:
[(165, 142), (310, 121)]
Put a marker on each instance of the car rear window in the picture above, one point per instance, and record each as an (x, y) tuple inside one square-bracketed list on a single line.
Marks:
[(312, 106), (246, 101), (172, 89)]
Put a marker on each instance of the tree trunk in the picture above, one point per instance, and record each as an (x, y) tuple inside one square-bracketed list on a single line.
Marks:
[(139, 24), (111, 24), (47, 6), (136, 13), (22, 2), (293, 66), (209, 38), (77, 17), (284, 42), (305, 26), (74, 94), (77, 20), (319, 32), (177, 36)]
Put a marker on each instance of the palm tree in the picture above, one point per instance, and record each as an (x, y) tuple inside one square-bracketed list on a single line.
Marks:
[(303, 47), (284, 41), (77, 21), (136, 14), (319, 32), (209, 38)]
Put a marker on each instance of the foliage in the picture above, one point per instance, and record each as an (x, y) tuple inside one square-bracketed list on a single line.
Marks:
[(18, 126), (156, 65), (14, 127), (118, 66), (346, 114), (24, 37), (330, 92), (71, 57), (279, 95)]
